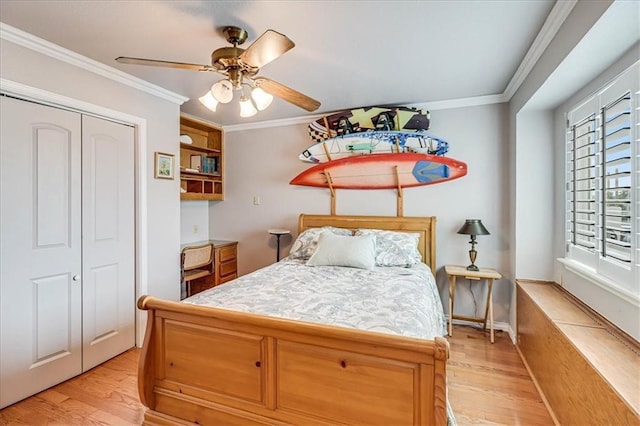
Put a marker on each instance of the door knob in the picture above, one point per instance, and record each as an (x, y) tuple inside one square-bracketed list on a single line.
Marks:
[(76, 278)]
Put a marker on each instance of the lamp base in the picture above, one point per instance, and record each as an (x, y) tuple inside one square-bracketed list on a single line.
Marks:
[(472, 255)]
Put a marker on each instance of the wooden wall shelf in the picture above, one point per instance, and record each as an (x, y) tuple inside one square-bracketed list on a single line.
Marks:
[(207, 153)]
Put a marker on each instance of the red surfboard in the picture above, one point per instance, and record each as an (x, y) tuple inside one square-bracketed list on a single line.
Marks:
[(379, 171)]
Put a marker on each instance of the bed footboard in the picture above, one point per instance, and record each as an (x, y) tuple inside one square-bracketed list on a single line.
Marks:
[(204, 365)]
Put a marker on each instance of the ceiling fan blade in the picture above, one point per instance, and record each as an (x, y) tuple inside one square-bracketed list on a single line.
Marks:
[(156, 63), (269, 46), (285, 93)]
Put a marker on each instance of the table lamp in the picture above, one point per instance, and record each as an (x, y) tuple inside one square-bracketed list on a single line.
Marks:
[(473, 227)]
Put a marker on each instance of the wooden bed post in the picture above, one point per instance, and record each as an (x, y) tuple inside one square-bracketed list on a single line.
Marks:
[(146, 369), (440, 380)]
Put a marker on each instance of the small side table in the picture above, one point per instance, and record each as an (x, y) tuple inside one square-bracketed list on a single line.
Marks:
[(454, 271), (278, 233)]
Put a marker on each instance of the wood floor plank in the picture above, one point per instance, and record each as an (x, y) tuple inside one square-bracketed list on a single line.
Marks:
[(488, 385), (105, 395)]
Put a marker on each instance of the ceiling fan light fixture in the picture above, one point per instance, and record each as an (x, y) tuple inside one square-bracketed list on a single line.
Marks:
[(261, 98), (209, 101), (246, 107), (222, 91), (237, 65)]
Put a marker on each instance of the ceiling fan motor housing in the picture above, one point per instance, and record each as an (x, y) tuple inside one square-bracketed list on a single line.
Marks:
[(235, 35), (226, 57)]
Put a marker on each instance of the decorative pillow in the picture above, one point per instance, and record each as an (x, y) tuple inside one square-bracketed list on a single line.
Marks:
[(342, 250), (394, 248), (305, 245)]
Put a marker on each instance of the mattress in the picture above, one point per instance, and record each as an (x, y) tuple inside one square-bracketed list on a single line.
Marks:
[(393, 300)]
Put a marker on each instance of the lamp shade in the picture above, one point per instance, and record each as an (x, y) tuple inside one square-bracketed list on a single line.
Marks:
[(209, 101), (222, 91), (246, 107), (261, 98), (473, 227)]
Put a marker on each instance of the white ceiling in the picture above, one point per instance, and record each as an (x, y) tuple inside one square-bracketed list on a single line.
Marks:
[(347, 54)]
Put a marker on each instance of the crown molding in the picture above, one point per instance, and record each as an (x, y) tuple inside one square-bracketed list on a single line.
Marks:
[(29, 41), (552, 24), (306, 119), (430, 106), (461, 102)]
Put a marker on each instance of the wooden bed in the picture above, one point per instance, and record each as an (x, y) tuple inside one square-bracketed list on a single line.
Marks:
[(202, 365)]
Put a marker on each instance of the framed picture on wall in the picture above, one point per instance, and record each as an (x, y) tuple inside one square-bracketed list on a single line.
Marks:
[(164, 166)]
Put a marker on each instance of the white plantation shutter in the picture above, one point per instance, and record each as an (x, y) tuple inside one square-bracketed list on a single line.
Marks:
[(582, 182), (616, 129), (603, 177)]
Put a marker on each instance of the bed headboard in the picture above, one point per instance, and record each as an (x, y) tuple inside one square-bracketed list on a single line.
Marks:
[(425, 226)]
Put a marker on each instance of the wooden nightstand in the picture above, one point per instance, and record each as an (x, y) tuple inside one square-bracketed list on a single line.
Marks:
[(225, 258), (453, 272)]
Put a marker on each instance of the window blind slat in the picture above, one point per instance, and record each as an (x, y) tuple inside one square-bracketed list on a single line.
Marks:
[(616, 187)]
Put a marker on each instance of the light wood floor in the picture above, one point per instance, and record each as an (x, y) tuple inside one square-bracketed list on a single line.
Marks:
[(488, 384)]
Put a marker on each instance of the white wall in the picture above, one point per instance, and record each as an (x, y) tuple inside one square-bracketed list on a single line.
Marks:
[(194, 221), (534, 227), (262, 162), (162, 269)]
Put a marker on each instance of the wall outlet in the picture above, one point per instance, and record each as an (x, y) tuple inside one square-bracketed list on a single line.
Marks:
[(256, 200), (196, 228)]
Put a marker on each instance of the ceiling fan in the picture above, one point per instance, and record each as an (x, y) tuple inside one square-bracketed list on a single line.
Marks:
[(241, 66)]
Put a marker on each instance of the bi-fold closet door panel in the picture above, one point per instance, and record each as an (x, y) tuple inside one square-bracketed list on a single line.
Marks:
[(53, 279), (41, 250), (108, 224)]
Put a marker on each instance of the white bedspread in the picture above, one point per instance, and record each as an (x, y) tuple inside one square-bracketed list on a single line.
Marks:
[(394, 300)]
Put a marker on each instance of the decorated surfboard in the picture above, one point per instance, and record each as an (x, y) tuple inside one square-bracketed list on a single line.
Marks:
[(382, 171), (369, 118), (373, 142)]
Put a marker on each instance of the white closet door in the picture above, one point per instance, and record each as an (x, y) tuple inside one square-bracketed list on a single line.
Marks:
[(40, 243), (108, 240)]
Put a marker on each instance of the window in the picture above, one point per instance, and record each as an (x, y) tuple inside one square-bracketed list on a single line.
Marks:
[(603, 161), (616, 155)]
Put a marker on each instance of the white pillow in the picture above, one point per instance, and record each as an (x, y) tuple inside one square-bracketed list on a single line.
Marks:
[(341, 250), (394, 248), (305, 245)]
